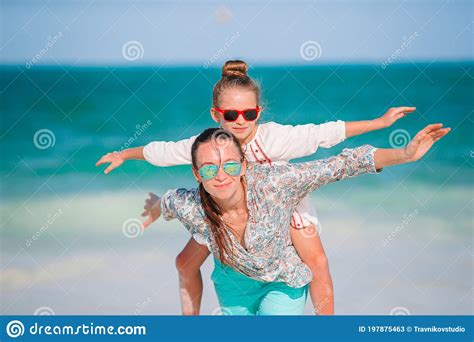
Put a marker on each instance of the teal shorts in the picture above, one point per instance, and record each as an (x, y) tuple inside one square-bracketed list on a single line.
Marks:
[(241, 295)]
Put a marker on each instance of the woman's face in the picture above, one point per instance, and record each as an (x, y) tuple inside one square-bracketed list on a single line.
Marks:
[(223, 186), (240, 99)]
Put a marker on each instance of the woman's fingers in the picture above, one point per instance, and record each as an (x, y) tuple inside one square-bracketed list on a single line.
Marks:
[(442, 133), (432, 127), (147, 223)]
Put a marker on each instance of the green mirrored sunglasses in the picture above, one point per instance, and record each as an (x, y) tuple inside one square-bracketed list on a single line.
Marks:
[(209, 171)]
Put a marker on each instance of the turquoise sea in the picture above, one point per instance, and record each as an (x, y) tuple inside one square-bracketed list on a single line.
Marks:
[(399, 239)]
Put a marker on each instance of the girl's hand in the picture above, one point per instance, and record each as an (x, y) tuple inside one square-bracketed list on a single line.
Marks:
[(114, 158), (394, 114), (152, 209), (423, 141)]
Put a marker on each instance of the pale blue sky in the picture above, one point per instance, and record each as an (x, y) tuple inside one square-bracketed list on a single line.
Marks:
[(265, 32)]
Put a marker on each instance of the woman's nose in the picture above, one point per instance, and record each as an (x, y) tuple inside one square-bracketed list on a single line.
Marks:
[(221, 175)]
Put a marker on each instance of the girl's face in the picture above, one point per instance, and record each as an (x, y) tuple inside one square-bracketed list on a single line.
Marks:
[(223, 186), (239, 99)]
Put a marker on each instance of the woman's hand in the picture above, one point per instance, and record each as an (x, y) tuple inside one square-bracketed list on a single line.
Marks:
[(152, 209), (393, 115), (114, 158), (423, 141), (416, 149)]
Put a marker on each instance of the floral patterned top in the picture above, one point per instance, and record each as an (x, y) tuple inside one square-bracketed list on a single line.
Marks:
[(273, 192)]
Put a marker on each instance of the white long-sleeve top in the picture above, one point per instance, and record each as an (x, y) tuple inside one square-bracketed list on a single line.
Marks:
[(273, 144)]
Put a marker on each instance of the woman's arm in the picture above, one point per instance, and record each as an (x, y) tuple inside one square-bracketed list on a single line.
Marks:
[(388, 119), (295, 181), (181, 204), (152, 209), (416, 149)]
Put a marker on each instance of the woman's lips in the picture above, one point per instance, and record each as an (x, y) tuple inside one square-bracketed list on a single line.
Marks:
[(223, 186)]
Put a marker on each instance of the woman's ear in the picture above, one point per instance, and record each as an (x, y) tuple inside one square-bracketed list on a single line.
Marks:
[(244, 167), (214, 115), (197, 176)]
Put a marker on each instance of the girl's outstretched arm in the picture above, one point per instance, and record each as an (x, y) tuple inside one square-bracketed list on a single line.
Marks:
[(117, 158), (158, 153), (388, 119)]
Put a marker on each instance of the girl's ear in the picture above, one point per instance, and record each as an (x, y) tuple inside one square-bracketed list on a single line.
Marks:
[(197, 176), (214, 115)]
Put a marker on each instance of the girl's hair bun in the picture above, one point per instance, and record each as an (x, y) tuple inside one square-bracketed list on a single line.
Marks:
[(235, 68)]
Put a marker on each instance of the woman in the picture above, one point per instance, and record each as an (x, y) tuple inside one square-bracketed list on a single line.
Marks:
[(237, 108), (241, 213)]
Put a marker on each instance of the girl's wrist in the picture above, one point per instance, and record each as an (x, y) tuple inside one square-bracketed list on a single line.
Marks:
[(378, 123)]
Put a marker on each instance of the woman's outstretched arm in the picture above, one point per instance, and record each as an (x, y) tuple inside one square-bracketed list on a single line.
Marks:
[(416, 149), (295, 181)]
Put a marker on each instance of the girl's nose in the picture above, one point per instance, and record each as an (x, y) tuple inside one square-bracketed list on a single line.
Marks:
[(240, 120)]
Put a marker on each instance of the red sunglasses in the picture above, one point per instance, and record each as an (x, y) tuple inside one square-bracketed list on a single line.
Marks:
[(233, 114)]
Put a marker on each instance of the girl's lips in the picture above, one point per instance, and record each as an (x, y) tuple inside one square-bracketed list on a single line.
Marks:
[(239, 128)]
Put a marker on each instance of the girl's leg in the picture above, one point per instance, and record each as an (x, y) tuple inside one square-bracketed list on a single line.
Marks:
[(310, 249), (283, 300), (188, 263)]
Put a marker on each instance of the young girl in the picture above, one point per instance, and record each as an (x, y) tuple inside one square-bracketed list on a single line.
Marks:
[(240, 214), (236, 107)]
